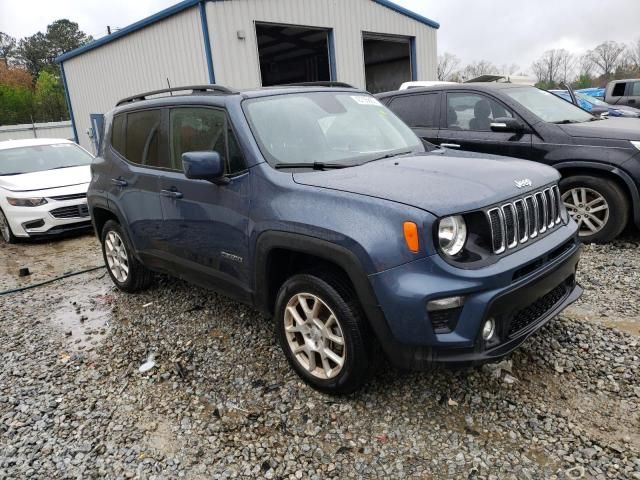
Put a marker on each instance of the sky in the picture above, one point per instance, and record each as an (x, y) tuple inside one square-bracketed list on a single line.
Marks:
[(504, 32)]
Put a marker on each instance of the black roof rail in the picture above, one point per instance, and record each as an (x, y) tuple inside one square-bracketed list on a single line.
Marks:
[(194, 89), (319, 84)]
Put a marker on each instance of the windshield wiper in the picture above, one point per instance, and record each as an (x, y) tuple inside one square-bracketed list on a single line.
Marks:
[(313, 166), (9, 174), (564, 122), (389, 155)]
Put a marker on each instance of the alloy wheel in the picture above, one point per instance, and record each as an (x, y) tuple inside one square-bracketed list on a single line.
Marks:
[(314, 335), (116, 254), (588, 208)]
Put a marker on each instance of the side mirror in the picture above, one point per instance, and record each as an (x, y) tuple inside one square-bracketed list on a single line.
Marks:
[(203, 166), (506, 124)]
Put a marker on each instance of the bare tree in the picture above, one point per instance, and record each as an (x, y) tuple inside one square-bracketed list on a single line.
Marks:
[(447, 64), (607, 56), (475, 69), (509, 69), (567, 63), (633, 53)]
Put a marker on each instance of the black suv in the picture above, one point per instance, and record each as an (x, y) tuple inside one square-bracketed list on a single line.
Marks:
[(599, 159), (319, 206)]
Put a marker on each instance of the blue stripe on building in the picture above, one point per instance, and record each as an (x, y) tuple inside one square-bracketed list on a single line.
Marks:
[(207, 42)]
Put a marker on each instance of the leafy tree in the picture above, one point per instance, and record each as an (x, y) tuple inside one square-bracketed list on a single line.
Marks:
[(16, 105), (15, 76), (49, 98), (34, 54), (64, 35), (7, 48)]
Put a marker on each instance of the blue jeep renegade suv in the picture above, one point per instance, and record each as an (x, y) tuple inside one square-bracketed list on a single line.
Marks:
[(317, 205)]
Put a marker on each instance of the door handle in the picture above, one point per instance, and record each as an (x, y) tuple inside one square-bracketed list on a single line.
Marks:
[(171, 193), (450, 145), (119, 182)]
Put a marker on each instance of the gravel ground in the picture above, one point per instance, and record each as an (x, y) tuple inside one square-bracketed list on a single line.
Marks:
[(221, 402)]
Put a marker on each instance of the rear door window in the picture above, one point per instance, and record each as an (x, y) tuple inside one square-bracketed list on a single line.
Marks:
[(143, 139), (635, 90), (416, 110)]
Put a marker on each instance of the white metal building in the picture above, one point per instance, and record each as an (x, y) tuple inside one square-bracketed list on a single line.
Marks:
[(373, 44)]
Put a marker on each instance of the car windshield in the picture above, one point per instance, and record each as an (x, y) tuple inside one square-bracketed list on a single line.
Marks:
[(547, 106), (14, 161), (337, 128)]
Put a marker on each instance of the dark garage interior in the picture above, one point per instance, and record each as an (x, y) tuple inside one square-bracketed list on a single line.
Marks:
[(292, 54), (387, 62)]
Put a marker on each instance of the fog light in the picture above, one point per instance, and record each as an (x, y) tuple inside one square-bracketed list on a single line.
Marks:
[(445, 303), (488, 329)]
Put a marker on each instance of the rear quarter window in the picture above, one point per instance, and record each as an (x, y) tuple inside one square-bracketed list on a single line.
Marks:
[(118, 133)]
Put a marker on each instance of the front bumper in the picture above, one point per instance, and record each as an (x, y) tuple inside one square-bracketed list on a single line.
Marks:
[(63, 212), (522, 292)]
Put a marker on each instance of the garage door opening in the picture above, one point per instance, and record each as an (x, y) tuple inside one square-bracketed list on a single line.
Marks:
[(292, 54), (387, 62)]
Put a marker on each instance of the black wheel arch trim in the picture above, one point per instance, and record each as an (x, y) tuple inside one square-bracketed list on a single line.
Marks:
[(336, 254), (113, 209), (621, 174)]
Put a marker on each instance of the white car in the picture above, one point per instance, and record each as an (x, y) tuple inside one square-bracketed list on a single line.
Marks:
[(423, 83), (43, 187)]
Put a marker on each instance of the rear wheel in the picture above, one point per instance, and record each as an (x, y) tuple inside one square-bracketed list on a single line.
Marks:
[(323, 333), (598, 206), (124, 269), (5, 229)]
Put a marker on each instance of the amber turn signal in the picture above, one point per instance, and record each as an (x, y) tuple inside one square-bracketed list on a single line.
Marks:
[(411, 236)]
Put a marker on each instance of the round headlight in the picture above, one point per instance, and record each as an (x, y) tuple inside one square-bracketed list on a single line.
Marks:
[(452, 233)]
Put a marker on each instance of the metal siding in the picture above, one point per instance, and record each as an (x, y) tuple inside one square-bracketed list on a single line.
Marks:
[(42, 130), (174, 48), (236, 61), (141, 61)]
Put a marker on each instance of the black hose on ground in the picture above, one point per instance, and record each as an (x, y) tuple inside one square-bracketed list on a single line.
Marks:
[(51, 280)]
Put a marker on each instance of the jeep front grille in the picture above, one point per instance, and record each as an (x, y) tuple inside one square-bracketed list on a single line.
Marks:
[(517, 222)]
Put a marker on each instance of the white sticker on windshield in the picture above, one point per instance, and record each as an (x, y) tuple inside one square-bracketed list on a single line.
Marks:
[(365, 100)]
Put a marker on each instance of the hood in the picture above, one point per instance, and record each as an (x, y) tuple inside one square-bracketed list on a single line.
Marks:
[(611, 129), (62, 177), (626, 110), (437, 182)]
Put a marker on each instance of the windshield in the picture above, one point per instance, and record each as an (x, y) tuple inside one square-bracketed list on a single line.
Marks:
[(341, 128), (547, 106), (14, 161)]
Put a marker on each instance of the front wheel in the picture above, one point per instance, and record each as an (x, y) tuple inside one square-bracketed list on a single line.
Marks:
[(599, 207), (5, 229), (125, 270), (323, 333)]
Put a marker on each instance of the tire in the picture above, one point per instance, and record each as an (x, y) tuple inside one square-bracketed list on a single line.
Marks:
[(5, 230), (357, 349), (613, 218), (126, 272)]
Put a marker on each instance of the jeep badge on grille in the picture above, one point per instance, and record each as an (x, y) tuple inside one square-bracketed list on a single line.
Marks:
[(525, 182)]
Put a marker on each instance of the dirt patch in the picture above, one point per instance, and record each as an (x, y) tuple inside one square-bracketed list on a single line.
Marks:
[(47, 259)]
